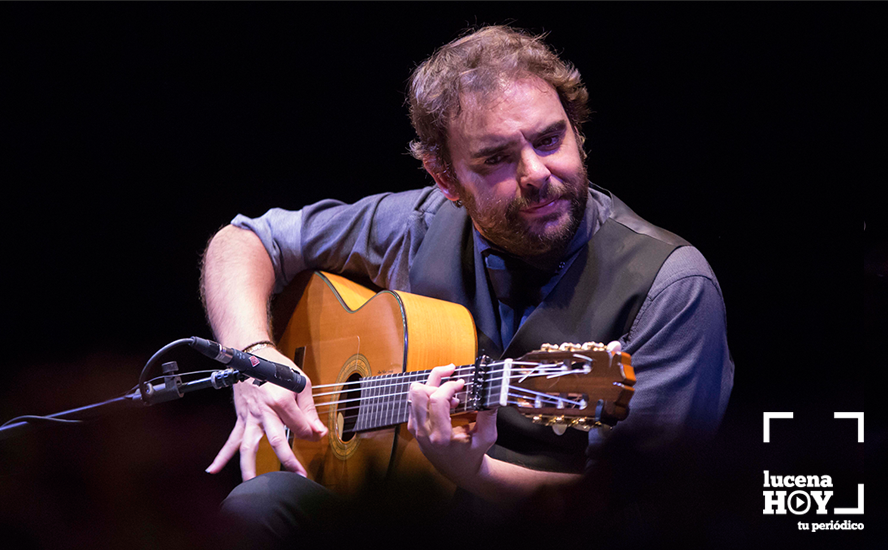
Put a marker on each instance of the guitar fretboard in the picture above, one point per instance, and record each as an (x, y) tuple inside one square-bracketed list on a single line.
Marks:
[(383, 399)]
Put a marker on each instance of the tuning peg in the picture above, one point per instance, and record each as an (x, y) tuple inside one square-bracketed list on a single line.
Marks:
[(560, 424)]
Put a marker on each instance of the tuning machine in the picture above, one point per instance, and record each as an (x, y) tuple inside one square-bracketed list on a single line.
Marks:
[(560, 424), (574, 348)]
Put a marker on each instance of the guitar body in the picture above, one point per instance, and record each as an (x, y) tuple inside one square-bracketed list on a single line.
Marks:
[(341, 332)]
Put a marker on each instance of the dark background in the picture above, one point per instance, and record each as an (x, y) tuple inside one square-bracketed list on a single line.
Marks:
[(131, 132)]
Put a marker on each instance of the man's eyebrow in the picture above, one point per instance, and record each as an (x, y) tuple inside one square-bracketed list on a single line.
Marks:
[(555, 127), (491, 150)]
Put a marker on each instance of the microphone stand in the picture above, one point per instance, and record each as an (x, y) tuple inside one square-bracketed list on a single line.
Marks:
[(171, 388)]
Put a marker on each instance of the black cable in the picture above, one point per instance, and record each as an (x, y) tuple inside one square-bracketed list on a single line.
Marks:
[(49, 419), (146, 394), (34, 417)]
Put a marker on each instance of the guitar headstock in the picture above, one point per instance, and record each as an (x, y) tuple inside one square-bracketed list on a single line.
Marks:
[(572, 385)]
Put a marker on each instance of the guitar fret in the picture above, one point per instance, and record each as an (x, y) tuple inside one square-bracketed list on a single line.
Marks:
[(404, 393), (390, 401), (384, 397), (378, 396), (371, 393), (371, 403), (375, 400), (360, 422)]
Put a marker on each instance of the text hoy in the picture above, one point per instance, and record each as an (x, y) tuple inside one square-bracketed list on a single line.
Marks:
[(800, 501)]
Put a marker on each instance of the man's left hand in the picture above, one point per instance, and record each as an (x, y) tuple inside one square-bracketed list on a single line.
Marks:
[(457, 452)]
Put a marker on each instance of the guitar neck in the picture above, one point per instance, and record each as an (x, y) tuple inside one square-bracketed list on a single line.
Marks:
[(381, 401), (568, 388)]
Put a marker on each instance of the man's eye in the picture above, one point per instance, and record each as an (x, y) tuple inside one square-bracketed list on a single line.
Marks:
[(548, 142), (496, 159)]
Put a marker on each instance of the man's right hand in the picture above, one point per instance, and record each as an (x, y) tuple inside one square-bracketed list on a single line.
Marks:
[(266, 410)]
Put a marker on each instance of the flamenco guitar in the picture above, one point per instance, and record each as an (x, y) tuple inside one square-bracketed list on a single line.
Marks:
[(362, 350)]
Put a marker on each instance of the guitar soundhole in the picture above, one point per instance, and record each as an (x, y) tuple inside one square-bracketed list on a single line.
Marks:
[(347, 417), (343, 415)]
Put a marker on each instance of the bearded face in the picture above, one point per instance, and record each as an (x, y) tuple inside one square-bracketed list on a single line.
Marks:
[(536, 221), (517, 166)]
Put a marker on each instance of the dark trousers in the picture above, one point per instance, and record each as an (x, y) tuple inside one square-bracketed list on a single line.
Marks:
[(285, 510), (276, 510)]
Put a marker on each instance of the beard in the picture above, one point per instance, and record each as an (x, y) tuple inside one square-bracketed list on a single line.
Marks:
[(501, 222)]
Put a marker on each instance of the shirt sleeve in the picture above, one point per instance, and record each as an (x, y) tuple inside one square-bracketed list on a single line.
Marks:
[(680, 354), (376, 237)]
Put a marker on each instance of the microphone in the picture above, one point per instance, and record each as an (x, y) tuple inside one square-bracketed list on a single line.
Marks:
[(251, 365)]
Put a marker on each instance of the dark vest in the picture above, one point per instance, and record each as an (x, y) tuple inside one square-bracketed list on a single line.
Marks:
[(596, 299)]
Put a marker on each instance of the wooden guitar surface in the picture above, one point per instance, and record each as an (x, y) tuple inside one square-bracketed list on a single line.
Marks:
[(341, 331)]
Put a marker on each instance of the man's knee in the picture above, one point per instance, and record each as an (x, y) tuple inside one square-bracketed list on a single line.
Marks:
[(273, 508)]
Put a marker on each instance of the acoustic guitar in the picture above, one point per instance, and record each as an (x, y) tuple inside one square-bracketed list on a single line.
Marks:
[(362, 349)]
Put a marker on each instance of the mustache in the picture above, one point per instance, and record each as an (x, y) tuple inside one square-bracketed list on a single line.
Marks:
[(536, 196)]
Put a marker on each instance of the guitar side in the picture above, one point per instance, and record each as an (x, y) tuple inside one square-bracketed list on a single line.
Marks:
[(341, 332)]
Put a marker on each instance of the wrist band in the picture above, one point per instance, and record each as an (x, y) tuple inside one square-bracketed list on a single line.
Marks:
[(256, 346)]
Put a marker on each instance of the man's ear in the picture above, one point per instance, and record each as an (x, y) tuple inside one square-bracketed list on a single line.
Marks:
[(442, 176)]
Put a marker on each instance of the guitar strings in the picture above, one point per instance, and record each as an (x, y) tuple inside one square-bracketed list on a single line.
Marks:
[(387, 410), (539, 399), (464, 369), (398, 385), (381, 417), (394, 416), (528, 395), (398, 396), (554, 370), (401, 379)]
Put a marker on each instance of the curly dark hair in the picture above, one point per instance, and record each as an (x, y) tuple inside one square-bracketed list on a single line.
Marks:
[(482, 62)]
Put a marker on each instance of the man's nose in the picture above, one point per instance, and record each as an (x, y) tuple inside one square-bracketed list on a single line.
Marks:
[(532, 171)]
